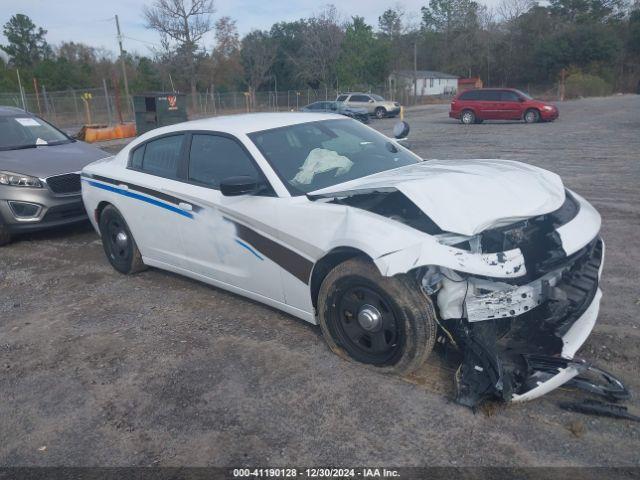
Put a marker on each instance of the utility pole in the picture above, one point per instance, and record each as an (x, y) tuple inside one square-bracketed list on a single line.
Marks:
[(124, 69), (415, 71)]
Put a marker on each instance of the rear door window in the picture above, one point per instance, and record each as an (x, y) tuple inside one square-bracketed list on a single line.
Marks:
[(359, 98), (490, 96), (159, 157), (342, 98)]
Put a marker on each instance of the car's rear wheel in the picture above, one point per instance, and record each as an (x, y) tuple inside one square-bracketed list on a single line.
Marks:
[(380, 112), (383, 321), (532, 116), (5, 236), (118, 243), (468, 117)]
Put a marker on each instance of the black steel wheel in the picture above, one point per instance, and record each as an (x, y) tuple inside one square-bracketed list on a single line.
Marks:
[(382, 321), (366, 323), (118, 243)]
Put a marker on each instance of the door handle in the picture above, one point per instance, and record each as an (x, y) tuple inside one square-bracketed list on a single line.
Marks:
[(185, 206)]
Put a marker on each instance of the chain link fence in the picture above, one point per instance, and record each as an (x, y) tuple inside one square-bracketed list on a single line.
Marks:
[(70, 109)]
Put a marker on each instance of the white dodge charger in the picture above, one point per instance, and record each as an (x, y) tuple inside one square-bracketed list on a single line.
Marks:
[(327, 219)]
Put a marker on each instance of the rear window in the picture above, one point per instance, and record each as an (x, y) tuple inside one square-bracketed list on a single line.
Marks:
[(342, 98)]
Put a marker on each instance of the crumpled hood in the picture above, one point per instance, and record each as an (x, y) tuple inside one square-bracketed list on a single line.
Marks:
[(468, 196), (45, 161)]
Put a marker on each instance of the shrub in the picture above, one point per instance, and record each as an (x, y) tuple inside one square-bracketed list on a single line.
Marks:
[(586, 85)]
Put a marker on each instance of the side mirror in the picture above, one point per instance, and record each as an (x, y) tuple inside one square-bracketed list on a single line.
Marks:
[(370, 100), (241, 185), (401, 130), (522, 99)]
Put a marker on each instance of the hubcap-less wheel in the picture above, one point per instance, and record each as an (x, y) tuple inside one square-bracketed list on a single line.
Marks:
[(386, 322), (380, 112), (120, 248), (118, 243), (468, 117), (367, 325)]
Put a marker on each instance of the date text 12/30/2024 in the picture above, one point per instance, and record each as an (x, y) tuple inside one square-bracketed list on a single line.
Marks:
[(315, 472)]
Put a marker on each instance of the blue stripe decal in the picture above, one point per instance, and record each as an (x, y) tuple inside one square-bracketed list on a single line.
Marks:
[(129, 194), (242, 244)]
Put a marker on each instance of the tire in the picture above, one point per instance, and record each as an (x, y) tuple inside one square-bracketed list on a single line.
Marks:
[(532, 116), (118, 243), (406, 327), (467, 117), (380, 112), (5, 236)]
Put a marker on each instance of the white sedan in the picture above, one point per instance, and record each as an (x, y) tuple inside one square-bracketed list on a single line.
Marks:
[(327, 219)]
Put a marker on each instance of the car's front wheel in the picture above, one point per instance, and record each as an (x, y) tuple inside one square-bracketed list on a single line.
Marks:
[(532, 116), (380, 112), (382, 321), (118, 243)]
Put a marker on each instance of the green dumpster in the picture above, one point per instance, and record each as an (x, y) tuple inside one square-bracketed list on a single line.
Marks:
[(155, 110)]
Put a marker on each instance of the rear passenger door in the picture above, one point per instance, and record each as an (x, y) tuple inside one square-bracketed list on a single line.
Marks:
[(489, 104), (510, 105), (220, 242), (155, 216)]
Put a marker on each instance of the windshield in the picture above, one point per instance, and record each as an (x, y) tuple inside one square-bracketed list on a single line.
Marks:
[(23, 131), (377, 98), (315, 155)]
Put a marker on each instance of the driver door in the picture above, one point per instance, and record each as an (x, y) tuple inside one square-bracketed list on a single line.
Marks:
[(220, 242)]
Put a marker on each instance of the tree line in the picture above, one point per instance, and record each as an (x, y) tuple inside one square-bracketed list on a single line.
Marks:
[(520, 42)]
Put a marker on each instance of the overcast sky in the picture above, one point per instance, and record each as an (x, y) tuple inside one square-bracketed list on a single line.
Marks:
[(91, 21)]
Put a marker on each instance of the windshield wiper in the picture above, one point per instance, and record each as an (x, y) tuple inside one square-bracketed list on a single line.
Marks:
[(59, 142), (19, 147)]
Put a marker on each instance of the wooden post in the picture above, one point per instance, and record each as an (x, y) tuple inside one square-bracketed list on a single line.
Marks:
[(106, 99), (35, 88), (117, 93)]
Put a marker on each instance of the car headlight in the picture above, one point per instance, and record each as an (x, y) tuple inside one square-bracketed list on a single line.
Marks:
[(548, 108), (18, 180)]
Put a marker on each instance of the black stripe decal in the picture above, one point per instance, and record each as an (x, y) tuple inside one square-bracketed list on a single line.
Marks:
[(147, 191), (292, 262)]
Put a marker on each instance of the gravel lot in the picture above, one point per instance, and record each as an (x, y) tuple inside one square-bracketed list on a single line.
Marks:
[(155, 369)]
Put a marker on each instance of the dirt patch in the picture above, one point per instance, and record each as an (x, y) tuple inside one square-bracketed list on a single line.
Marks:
[(155, 369)]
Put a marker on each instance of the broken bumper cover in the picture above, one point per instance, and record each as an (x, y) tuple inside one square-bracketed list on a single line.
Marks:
[(538, 384), (550, 318)]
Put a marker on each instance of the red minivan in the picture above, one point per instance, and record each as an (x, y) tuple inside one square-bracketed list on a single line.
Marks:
[(477, 105)]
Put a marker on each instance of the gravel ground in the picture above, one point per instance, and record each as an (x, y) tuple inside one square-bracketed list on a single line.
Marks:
[(154, 369)]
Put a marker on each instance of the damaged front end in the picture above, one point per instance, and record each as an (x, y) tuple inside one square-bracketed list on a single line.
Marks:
[(507, 332), (514, 275), (518, 336)]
